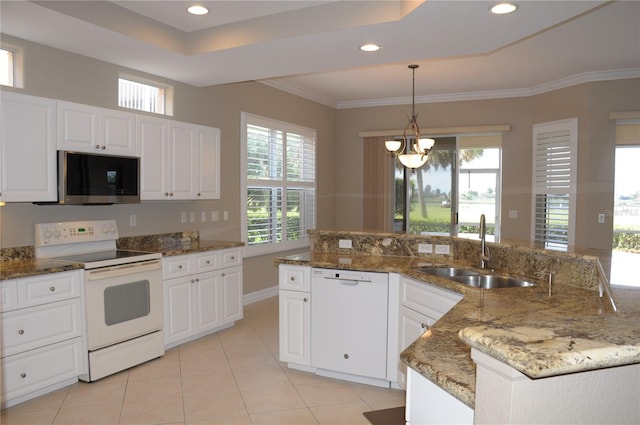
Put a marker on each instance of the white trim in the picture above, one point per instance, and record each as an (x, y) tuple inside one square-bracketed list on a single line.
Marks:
[(586, 77), (260, 295)]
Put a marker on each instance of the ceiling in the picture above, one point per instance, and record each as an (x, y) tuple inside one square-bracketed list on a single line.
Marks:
[(310, 48)]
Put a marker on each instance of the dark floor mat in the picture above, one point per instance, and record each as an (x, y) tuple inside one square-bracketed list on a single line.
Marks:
[(393, 416)]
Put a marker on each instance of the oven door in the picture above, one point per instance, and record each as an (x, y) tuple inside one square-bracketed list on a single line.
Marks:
[(123, 302)]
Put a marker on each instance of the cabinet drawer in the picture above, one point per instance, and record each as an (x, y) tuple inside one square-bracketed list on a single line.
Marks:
[(8, 295), (295, 278), (230, 257), (176, 266), (34, 327), (207, 261), (48, 288), (37, 369), (426, 299)]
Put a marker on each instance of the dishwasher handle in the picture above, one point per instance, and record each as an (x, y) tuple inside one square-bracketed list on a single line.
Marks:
[(347, 281)]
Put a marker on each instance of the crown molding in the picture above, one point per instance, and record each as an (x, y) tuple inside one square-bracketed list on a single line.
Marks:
[(586, 77)]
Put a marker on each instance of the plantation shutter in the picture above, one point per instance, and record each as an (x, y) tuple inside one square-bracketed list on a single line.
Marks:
[(280, 183), (555, 153)]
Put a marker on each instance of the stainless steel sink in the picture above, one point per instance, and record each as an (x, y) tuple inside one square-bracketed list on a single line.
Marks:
[(447, 271), (492, 281)]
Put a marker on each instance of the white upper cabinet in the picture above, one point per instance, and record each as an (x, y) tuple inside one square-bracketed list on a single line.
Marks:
[(179, 161), (27, 149), (208, 162), (153, 137), (85, 128)]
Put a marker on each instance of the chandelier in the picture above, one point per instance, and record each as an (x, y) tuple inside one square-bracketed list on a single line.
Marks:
[(412, 150)]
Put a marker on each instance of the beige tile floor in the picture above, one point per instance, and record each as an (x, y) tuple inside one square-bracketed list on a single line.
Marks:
[(231, 377)]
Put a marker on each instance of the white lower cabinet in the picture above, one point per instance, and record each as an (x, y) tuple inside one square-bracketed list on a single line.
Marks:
[(421, 305), (295, 314), (202, 294), (42, 335)]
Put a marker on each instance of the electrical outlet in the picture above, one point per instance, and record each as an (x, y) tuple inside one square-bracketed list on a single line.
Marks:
[(425, 248), (203, 216), (344, 243), (600, 218), (443, 249), (215, 216), (225, 215), (183, 217), (513, 213), (192, 217), (132, 220)]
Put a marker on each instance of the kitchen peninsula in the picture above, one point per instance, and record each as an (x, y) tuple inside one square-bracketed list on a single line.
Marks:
[(523, 333)]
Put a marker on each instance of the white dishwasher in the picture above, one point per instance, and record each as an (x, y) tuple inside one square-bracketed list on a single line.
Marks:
[(349, 322)]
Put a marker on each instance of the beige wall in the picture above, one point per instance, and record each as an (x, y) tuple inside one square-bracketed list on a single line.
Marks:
[(590, 102), (57, 74), (61, 75)]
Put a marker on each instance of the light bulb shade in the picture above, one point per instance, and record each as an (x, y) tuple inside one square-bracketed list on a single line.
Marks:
[(412, 160), (426, 144), (392, 145)]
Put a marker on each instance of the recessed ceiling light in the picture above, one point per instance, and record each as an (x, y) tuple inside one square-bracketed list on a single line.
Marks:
[(197, 10), (370, 47), (503, 8)]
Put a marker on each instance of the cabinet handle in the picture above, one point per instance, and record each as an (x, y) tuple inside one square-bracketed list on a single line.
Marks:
[(23, 375), (424, 326), (198, 193), (346, 356), (52, 289), (305, 299), (292, 278), (208, 262), (233, 257), (21, 332), (223, 275), (197, 280), (97, 146), (103, 147), (179, 266)]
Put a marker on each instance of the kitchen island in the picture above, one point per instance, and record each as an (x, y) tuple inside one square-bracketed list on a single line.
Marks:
[(573, 330)]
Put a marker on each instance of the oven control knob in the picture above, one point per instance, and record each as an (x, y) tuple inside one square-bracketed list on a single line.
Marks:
[(57, 233), (47, 233)]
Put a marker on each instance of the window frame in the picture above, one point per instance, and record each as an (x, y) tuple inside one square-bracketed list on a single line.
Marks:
[(11, 67), (167, 95), (283, 184)]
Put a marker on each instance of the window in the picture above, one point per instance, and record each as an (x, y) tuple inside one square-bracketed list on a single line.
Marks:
[(142, 96), (6, 67), (555, 155), (279, 184), (460, 181)]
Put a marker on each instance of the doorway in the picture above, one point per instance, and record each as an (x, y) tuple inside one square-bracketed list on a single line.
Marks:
[(626, 217)]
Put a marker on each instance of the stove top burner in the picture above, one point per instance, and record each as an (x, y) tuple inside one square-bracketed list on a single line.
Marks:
[(93, 260)]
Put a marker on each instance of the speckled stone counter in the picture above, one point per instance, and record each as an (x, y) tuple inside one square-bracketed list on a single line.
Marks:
[(540, 335), (20, 262), (174, 244)]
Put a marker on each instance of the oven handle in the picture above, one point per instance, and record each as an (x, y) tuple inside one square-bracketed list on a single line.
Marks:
[(123, 269)]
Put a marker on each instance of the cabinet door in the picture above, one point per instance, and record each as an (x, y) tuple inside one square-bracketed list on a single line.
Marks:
[(231, 294), (178, 305), (295, 327), (412, 325), (153, 149), (181, 172), (118, 132), (207, 290), (27, 136), (207, 163), (294, 278), (79, 128)]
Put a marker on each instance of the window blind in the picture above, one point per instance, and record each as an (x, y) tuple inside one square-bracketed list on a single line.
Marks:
[(555, 152), (280, 183)]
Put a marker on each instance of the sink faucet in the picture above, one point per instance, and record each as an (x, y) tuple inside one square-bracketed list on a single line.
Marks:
[(484, 250)]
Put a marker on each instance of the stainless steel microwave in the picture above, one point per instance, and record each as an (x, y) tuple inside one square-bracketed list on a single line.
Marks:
[(85, 179)]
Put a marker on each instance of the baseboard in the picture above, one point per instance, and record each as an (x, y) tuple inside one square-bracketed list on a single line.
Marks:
[(260, 295)]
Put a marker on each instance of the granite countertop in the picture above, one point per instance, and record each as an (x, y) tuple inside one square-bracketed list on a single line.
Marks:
[(25, 265), (539, 335)]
